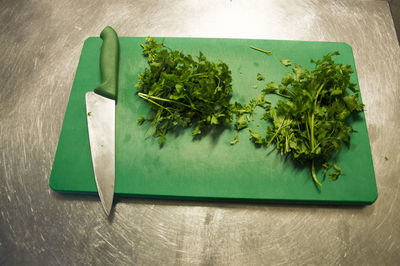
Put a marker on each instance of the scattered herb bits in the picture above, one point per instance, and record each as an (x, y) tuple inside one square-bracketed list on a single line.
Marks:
[(184, 91), (235, 140), (261, 50), (286, 62)]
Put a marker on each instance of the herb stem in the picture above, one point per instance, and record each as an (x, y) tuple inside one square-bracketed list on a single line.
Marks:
[(318, 92), (314, 175), (147, 97), (286, 89), (312, 131), (315, 147), (311, 123), (282, 95), (260, 50), (142, 95), (276, 133), (202, 75), (286, 145)]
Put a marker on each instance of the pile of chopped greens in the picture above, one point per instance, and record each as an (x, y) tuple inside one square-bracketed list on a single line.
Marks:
[(309, 122), (184, 91)]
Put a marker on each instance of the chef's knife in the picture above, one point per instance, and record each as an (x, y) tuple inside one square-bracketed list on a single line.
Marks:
[(100, 107)]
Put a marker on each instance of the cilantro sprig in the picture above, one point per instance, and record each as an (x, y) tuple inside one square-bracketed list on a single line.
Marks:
[(310, 121), (183, 91)]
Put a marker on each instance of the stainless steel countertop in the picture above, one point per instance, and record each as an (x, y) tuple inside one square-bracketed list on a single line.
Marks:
[(41, 42)]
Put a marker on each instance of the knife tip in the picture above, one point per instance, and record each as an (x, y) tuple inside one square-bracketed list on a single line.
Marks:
[(107, 209)]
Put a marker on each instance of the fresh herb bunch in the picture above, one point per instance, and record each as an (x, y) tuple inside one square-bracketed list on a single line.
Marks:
[(310, 123), (183, 91)]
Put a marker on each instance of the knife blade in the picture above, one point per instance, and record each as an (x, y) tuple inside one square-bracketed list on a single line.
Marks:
[(100, 108)]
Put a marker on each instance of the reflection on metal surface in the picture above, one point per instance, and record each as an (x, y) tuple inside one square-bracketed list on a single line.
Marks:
[(42, 41)]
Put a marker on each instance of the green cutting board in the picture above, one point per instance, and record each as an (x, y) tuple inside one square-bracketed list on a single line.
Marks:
[(209, 167)]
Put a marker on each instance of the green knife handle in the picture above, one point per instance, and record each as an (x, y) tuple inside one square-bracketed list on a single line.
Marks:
[(109, 63)]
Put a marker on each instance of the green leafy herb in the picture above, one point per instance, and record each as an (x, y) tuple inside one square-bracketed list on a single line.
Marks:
[(235, 140), (183, 91), (286, 62), (386, 158), (310, 122), (255, 86), (259, 77)]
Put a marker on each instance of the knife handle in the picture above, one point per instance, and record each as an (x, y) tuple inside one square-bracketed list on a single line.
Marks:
[(109, 64)]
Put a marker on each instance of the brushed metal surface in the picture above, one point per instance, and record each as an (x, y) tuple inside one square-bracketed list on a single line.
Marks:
[(41, 42), (101, 126)]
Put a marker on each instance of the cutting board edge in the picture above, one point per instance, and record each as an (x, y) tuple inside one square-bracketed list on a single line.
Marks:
[(308, 202)]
